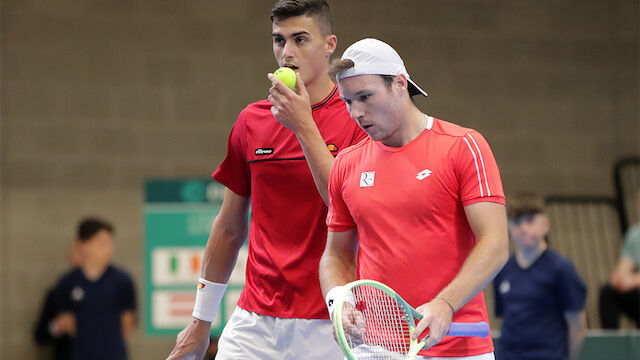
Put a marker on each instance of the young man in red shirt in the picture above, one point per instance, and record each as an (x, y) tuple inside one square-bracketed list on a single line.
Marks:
[(279, 156), (425, 198)]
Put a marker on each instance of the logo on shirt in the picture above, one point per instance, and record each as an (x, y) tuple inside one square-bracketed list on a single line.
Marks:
[(423, 174), (504, 287), (77, 294), (366, 178), (264, 151), (200, 285), (332, 147)]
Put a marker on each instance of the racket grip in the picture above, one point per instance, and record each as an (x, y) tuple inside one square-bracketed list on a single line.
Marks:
[(479, 329)]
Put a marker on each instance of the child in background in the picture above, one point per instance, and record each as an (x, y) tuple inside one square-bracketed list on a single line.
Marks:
[(538, 293)]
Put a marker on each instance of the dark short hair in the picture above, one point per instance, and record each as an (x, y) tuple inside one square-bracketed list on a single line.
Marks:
[(524, 204), (317, 9), (89, 227)]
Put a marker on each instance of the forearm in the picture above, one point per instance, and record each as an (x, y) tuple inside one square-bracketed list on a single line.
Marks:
[(228, 233), (338, 262), (128, 319), (624, 277), (335, 271), (221, 253), (319, 158), (481, 266), (577, 330)]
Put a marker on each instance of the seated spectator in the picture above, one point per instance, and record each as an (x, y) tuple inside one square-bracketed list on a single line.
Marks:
[(622, 294)]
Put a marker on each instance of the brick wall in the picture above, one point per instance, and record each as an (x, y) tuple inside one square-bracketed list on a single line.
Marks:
[(99, 95)]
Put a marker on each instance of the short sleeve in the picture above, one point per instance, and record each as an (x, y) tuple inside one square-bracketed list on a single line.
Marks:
[(477, 171), (339, 218), (571, 288), (234, 172), (127, 296)]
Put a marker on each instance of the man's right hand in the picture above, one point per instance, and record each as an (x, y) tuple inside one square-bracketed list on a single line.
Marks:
[(192, 342), (63, 324), (353, 323)]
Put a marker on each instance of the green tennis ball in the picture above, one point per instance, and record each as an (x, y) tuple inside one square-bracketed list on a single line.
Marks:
[(287, 76)]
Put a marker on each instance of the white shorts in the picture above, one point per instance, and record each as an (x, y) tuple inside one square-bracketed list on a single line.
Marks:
[(248, 335)]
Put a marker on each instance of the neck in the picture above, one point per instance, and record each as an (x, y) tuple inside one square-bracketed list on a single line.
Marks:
[(319, 88), (414, 123), (526, 257), (93, 271)]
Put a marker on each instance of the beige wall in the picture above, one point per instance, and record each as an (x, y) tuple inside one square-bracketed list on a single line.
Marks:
[(99, 95)]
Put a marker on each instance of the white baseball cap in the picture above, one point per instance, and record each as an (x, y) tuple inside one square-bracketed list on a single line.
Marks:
[(374, 57)]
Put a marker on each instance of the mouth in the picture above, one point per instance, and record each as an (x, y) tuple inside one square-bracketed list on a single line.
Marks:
[(290, 66)]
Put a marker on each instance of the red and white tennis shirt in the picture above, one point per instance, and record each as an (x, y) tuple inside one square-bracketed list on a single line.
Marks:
[(287, 233), (408, 206)]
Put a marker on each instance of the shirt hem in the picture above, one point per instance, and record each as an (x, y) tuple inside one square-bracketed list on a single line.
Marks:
[(340, 228), (498, 199), (458, 352), (230, 185)]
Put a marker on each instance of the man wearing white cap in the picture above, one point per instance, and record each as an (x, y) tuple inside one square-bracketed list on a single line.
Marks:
[(425, 199)]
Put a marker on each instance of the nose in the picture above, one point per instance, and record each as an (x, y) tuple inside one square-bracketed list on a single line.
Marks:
[(356, 111), (517, 230), (288, 51)]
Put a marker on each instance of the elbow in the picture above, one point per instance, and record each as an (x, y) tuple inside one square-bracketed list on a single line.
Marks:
[(501, 252), (504, 256), (235, 233)]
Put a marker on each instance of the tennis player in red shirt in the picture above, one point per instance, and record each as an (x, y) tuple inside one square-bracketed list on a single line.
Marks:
[(424, 197), (279, 155)]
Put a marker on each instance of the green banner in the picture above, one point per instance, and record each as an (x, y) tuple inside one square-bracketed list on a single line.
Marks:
[(177, 219)]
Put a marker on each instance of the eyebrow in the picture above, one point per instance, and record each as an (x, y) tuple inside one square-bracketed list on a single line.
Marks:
[(292, 35), (359, 93)]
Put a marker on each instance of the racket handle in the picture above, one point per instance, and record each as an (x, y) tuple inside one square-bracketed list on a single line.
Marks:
[(479, 329)]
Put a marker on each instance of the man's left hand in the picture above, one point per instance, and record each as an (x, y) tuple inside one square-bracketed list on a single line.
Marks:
[(436, 315)]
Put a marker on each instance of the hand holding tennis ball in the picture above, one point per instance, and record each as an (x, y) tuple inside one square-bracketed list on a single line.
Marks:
[(287, 76)]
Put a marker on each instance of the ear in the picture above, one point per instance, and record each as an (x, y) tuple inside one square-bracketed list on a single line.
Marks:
[(400, 82), (546, 223), (330, 44)]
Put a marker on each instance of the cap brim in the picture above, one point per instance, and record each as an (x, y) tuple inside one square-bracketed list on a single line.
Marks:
[(414, 89)]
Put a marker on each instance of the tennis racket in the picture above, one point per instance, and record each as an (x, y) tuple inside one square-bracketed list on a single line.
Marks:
[(372, 322)]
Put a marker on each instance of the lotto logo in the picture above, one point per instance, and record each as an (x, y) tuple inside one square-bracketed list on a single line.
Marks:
[(423, 174)]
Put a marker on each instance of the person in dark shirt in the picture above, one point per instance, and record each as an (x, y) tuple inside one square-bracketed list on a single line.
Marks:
[(45, 331), (538, 293), (98, 300), (622, 294)]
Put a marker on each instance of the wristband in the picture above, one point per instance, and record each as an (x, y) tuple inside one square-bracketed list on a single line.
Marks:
[(333, 294), (208, 298)]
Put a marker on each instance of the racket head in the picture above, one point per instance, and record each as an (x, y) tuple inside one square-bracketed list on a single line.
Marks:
[(371, 321)]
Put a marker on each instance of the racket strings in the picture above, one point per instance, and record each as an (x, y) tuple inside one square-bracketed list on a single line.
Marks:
[(381, 329)]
